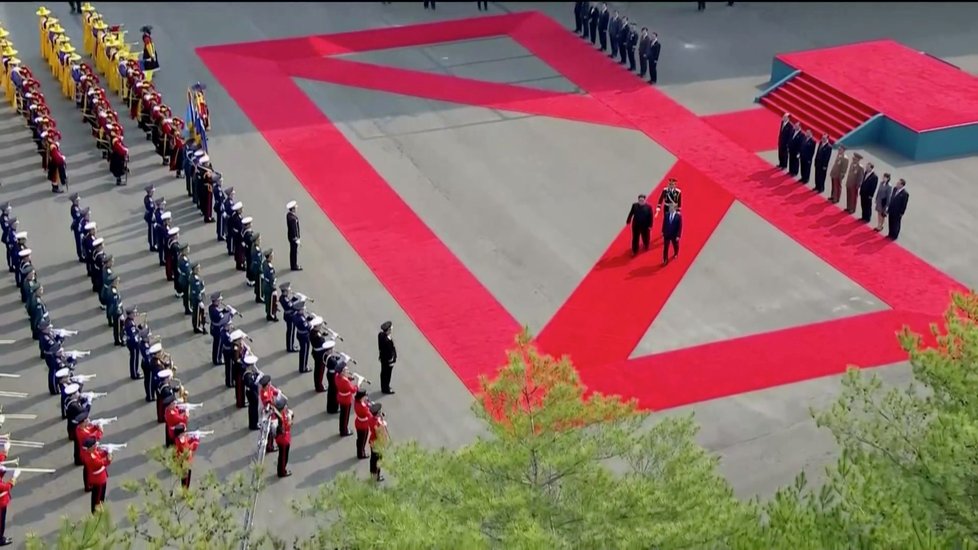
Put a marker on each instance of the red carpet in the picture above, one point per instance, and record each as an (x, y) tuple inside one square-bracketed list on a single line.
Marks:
[(609, 312), (909, 87), (753, 129), (467, 326)]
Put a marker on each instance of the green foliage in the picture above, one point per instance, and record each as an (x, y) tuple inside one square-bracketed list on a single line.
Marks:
[(95, 532), (560, 469), (906, 475)]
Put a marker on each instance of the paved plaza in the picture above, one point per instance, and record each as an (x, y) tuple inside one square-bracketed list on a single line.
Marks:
[(527, 203)]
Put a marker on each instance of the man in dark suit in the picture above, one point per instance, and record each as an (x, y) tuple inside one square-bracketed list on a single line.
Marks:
[(897, 208), (822, 157), (640, 218), (624, 39), (654, 58), (632, 42), (614, 27), (579, 8), (643, 51), (785, 132), (807, 156), (292, 223), (867, 190), (603, 20), (672, 230), (794, 150), (592, 21), (388, 356)]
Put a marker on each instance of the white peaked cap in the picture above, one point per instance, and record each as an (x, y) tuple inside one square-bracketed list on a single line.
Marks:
[(205, 158), (199, 153), (173, 231), (98, 241), (237, 206), (61, 373), (236, 335), (166, 215), (290, 205), (72, 388), (316, 321), (328, 344), (156, 348), (246, 220), (24, 253), (164, 374), (21, 235), (250, 359), (90, 225)]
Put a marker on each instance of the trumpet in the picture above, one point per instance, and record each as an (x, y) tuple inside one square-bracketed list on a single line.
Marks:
[(93, 395), (112, 447), (359, 378), (348, 359), (34, 470), (75, 354), (5, 417), (12, 462), (233, 311), (104, 421), (64, 333), (21, 443), (304, 298), (189, 406), (333, 335), (82, 378), (200, 434), (15, 394), (5, 375)]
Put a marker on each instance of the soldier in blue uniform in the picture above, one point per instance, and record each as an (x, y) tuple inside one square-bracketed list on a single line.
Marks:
[(77, 230), (227, 212), (234, 231), (75, 211), (88, 245), (227, 351), (10, 241), (114, 310), (302, 334), (145, 345), (218, 318), (219, 207), (197, 290), (268, 283), (172, 256), (130, 329), (23, 261), (287, 301), (161, 229), (149, 216)]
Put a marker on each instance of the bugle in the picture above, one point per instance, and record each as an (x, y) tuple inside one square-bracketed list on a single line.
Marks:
[(348, 359), (189, 406), (16, 394), (333, 335), (21, 443), (233, 311), (5, 375), (113, 447), (11, 462), (200, 434), (360, 379), (93, 395), (104, 421), (63, 332), (76, 354), (305, 298), (82, 378), (5, 417), (35, 470)]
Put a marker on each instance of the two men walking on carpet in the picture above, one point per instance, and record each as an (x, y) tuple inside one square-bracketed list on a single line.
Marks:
[(640, 217)]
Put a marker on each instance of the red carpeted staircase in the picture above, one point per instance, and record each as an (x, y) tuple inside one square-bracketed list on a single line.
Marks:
[(817, 106)]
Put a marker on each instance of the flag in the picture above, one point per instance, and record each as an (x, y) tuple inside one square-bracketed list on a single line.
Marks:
[(195, 124)]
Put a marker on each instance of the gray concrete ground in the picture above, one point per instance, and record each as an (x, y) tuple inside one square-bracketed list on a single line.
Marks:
[(464, 170)]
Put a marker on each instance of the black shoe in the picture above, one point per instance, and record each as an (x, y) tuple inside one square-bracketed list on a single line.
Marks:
[(389, 391), (380, 478), (297, 268), (149, 399), (347, 434), (286, 474)]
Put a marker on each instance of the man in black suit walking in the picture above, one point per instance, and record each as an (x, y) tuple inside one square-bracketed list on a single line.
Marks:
[(785, 133), (292, 222), (672, 230), (897, 208), (603, 21), (794, 150), (654, 49), (822, 157), (807, 156), (867, 190), (640, 218), (388, 356)]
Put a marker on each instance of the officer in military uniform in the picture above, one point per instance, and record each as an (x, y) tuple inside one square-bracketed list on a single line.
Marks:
[(114, 310), (333, 362), (227, 349), (251, 241), (268, 283), (287, 302), (219, 317), (150, 368), (149, 216), (28, 288), (250, 380), (130, 329), (106, 276), (318, 343), (98, 261), (218, 198), (181, 282), (174, 248), (302, 334), (39, 315), (234, 230), (78, 230), (292, 223), (197, 290), (227, 211), (10, 242)]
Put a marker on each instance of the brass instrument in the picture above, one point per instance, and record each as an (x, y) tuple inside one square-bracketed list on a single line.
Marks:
[(5, 375), (21, 443), (12, 462), (35, 470), (13, 394), (182, 394)]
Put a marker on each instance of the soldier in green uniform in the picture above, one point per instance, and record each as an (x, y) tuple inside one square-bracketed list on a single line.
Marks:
[(28, 287), (268, 283), (105, 295), (34, 297), (38, 313), (256, 266), (183, 277), (114, 310), (196, 298)]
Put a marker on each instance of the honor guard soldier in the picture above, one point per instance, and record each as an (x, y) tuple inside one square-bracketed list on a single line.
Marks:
[(302, 334), (174, 415), (88, 245), (173, 247), (130, 330), (228, 211), (62, 378), (75, 208), (346, 388), (282, 420), (182, 286), (670, 196), (220, 216), (76, 407), (362, 420), (10, 242), (24, 257), (78, 230), (98, 261), (5, 487), (150, 370), (250, 380), (227, 350), (185, 445), (287, 302), (247, 360), (149, 216), (162, 222), (39, 315), (28, 288), (97, 460), (255, 260), (218, 318), (86, 430), (146, 359), (114, 311), (268, 282), (388, 356), (165, 390), (240, 226), (292, 223), (333, 361), (378, 438), (197, 290), (321, 347)]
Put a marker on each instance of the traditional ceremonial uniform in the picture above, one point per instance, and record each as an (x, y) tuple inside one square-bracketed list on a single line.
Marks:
[(345, 390), (244, 360), (173, 247), (362, 421), (220, 216), (287, 303), (218, 319), (234, 229), (268, 283), (182, 286), (149, 216), (292, 224), (185, 447), (5, 487), (146, 362), (131, 331), (97, 461), (85, 431), (114, 312), (196, 292), (283, 435), (302, 335), (163, 394), (250, 380), (174, 415), (227, 348), (321, 347), (378, 437)]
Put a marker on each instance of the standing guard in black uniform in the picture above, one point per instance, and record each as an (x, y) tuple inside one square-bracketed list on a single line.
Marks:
[(292, 223)]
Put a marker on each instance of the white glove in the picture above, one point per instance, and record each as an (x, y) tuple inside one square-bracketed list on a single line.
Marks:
[(298, 242), (6, 445), (16, 473)]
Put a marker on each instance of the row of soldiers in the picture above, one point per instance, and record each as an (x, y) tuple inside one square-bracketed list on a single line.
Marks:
[(23, 91), (599, 25)]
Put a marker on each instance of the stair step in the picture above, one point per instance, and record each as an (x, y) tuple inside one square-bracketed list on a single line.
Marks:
[(829, 107), (839, 98), (814, 108), (844, 105), (806, 111), (807, 123)]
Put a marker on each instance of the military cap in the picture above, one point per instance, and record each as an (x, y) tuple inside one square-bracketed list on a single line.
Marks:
[(285, 286), (375, 408), (89, 443), (386, 326), (74, 197), (216, 297), (264, 380)]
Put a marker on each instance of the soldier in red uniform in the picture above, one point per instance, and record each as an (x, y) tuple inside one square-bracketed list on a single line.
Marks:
[(173, 415), (83, 432), (173, 130), (378, 436), (185, 446), (57, 164), (97, 462), (4, 450), (362, 421), (346, 388), (5, 487), (118, 157), (283, 433)]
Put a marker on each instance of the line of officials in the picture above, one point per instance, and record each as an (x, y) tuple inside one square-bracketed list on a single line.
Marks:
[(601, 27)]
